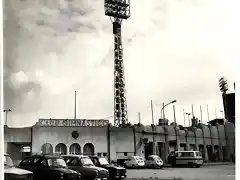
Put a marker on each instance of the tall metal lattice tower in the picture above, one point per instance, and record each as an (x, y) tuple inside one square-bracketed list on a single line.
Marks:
[(118, 10)]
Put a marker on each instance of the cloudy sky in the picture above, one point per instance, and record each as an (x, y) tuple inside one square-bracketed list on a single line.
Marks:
[(173, 49)]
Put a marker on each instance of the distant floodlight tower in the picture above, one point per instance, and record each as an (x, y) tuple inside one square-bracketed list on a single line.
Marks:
[(118, 10), (223, 85)]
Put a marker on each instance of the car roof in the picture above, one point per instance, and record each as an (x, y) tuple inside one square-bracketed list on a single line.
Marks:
[(74, 155), (48, 156)]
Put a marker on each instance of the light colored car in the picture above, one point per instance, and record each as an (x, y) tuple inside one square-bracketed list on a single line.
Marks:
[(14, 173), (153, 161), (134, 162)]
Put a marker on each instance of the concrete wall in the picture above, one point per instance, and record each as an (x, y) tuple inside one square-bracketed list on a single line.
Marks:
[(95, 135), (17, 134), (214, 134), (121, 141)]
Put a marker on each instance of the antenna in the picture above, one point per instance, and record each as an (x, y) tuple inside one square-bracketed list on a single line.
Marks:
[(118, 10)]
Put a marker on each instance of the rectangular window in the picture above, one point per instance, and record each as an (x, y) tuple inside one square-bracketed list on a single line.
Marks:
[(99, 154), (104, 154)]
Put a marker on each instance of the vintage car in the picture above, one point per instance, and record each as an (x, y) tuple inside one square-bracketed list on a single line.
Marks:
[(153, 161), (49, 167), (85, 166), (134, 162), (115, 172), (14, 173)]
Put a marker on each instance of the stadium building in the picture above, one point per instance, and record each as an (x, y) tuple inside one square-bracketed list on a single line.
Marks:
[(81, 136)]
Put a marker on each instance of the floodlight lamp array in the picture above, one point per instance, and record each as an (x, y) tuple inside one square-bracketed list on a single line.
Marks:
[(117, 8)]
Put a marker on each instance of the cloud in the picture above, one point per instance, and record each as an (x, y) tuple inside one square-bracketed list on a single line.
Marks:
[(172, 50)]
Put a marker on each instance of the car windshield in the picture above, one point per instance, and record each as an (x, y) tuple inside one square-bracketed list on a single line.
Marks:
[(56, 162), (103, 161), (8, 161), (86, 161)]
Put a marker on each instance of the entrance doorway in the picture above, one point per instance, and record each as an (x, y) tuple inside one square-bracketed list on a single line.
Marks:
[(148, 149)]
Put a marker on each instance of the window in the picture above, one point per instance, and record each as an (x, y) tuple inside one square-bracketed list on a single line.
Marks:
[(95, 161), (99, 154), (125, 153), (191, 154), (43, 162), (35, 160), (104, 154), (27, 161), (73, 162)]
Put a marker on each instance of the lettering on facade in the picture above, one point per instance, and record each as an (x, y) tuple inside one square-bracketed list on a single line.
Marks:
[(73, 122)]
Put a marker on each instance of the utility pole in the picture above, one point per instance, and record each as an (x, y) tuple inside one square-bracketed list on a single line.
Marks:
[(175, 126), (192, 111), (139, 118), (207, 112), (165, 135), (6, 111), (201, 114), (75, 105), (153, 129), (184, 118), (174, 115), (117, 11)]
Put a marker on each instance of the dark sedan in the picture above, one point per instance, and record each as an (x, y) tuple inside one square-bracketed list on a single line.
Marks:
[(115, 172), (49, 167), (85, 166)]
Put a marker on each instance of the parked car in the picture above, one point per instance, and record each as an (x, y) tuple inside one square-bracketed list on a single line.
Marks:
[(14, 173), (183, 158), (134, 162), (86, 167), (153, 161), (115, 172), (49, 167)]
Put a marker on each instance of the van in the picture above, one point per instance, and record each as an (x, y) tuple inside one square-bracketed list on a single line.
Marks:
[(190, 158)]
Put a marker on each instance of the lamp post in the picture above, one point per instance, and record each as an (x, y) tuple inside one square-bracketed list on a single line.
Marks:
[(164, 105), (153, 130), (6, 111), (165, 131)]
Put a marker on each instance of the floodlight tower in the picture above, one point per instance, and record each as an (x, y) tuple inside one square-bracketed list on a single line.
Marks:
[(118, 10)]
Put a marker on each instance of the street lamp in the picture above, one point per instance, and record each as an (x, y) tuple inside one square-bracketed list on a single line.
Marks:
[(6, 111), (165, 131), (162, 110)]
